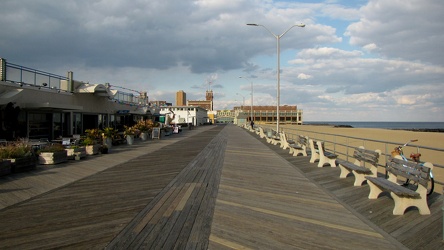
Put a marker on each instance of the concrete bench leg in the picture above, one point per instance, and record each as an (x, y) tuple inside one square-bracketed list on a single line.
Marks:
[(321, 162), (402, 203), (359, 178), (314, 157), (374, 190), (332, 162), (344, 172), (324, 160), (299, 151)]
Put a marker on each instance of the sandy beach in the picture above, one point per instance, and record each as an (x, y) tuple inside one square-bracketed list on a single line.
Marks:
[(395, 137)]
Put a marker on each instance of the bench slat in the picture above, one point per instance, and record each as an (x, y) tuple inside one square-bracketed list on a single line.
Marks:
[(393, 187), (413, 171), (354, 167)]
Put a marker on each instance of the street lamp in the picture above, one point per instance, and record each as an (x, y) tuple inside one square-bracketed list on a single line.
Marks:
[(251, 82), (278, 37)]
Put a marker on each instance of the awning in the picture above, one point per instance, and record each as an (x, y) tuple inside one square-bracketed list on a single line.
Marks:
[(96, 89), (9, 95)]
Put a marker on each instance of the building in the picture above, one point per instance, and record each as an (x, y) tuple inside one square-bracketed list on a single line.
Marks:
[(160, 103), (181, 98), (207, 104), (185, 115), (36, 104), (267, 114), (225, 116)]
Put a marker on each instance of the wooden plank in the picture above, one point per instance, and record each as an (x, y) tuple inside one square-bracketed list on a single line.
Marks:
[(411, 229)]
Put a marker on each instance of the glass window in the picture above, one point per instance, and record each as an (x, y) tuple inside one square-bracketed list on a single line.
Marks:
[(77, 123)]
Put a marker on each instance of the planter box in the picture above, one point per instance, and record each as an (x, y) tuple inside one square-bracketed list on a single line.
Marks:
[(130, 139), (144, 136), (92, 149), (5, 167), (108, 142), (53, 157), (23, 164), (73, 152)]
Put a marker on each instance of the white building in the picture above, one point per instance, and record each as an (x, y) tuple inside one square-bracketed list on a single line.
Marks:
[(185, 114)]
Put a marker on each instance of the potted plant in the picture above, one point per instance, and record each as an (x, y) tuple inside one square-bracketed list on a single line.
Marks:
[(108, 134), (144, 127), (21, 156), (90, 142), (129, 133), (53, 154), (75, 152)]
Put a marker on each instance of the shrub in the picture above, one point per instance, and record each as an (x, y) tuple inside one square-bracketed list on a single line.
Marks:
[(52, 148), (15, 150)]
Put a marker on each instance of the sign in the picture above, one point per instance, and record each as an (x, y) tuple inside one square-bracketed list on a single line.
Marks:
[(156, 133), (122, 111)]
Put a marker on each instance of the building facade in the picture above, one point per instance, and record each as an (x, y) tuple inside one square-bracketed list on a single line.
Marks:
[(181, 98), (36, 104), (196, 116), (267, 114)]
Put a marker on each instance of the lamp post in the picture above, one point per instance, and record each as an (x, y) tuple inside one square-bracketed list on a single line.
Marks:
[(278, 38), (251, 82)]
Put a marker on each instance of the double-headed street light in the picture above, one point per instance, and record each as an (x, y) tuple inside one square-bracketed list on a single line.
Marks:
[(278, 37), (251, 82)]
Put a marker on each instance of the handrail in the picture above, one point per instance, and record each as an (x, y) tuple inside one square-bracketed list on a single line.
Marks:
[(34, 74), (33, 79)]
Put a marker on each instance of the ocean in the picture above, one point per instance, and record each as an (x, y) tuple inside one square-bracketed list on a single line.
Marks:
[(386, 125)]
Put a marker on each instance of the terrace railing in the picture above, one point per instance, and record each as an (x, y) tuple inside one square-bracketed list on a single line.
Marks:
[(27, 76)]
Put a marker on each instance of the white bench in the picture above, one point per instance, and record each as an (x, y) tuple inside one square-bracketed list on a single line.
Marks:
[(403, 196), (300, 146), (262, 133), (285, 142), (272, 137), (365, 164), (318, 153)]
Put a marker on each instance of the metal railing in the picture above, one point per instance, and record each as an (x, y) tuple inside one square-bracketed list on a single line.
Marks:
[(24, 75)]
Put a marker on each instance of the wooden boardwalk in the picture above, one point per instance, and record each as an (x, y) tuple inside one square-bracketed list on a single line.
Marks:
[(217, 187), (413, 230)]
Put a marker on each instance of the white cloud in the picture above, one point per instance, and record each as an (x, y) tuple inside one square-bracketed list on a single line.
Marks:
[(303, 76), (389, 56), (370, 47), (412, 29)]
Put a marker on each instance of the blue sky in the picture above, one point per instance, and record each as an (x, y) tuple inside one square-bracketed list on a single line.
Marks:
[(373, 60)]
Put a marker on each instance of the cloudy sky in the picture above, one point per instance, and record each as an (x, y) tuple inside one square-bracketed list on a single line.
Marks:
[(355, 60)]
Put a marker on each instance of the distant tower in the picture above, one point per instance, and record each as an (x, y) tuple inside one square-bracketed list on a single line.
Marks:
[(181, 98), (209, 97)]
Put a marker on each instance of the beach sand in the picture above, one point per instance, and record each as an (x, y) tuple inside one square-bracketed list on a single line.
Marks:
[(425, 139)]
